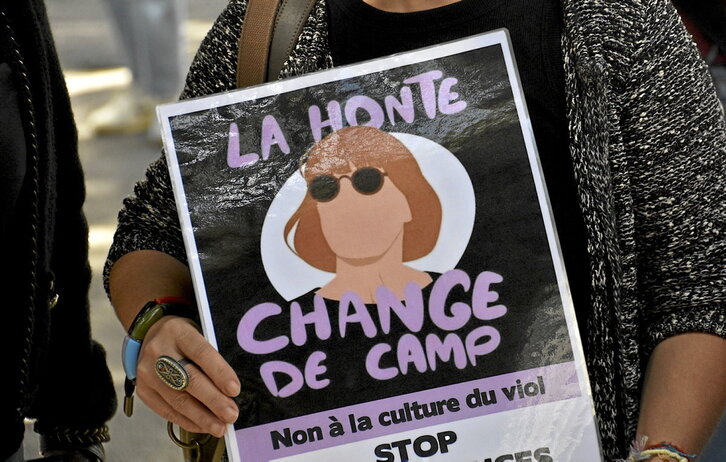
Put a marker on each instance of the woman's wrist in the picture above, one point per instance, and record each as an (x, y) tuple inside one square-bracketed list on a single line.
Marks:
[(144, 275), (668, 451), (663, 451)]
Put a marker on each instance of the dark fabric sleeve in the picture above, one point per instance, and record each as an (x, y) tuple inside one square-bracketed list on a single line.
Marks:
[(12, 144), (676, 132), (74, 386), (148, 219)]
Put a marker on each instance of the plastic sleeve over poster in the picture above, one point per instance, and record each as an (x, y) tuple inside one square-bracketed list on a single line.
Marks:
[(374, 253)]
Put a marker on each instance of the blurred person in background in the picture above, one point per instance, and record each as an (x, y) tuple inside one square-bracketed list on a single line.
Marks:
[(52, 371), (150, 32)]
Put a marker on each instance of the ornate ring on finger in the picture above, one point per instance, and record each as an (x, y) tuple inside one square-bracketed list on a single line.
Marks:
[(172, 372)]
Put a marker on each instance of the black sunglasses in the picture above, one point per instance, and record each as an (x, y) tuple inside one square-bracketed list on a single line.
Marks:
[(366, 180)]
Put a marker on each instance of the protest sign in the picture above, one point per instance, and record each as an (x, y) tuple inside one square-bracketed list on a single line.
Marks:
[(373, 252)]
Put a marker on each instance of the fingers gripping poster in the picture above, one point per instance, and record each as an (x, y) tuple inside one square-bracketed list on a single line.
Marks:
[(372, 251)]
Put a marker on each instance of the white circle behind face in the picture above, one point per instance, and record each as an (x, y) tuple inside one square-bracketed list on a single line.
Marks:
[(292, 277)]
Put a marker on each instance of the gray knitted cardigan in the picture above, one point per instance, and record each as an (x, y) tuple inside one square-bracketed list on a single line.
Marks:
[(648, 143)]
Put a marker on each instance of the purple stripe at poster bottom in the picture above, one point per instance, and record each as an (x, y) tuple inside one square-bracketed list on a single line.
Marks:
[(510, 391)]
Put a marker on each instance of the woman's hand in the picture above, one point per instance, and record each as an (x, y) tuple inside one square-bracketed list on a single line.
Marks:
[(205, 406)]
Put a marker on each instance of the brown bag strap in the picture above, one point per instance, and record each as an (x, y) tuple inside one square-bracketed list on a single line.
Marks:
[(269, 32), (254, 42)]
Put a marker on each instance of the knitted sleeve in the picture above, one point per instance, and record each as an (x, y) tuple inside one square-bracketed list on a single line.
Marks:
[(148, 219), (677, 136)]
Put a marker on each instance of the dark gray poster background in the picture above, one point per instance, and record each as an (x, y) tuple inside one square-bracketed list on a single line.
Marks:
[(228, 206)]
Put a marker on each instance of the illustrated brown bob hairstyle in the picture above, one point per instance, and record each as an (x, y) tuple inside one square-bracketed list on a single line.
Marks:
[(365, 147)]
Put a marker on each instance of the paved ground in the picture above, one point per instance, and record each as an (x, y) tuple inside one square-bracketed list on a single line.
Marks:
[(94, 68)]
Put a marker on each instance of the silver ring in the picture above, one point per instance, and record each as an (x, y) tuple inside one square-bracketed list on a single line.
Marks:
[(172, 372)]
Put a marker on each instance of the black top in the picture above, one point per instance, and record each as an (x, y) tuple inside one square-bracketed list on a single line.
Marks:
[(360, 32)]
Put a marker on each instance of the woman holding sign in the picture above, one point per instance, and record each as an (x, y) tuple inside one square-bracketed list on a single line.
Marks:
[(632, 143)]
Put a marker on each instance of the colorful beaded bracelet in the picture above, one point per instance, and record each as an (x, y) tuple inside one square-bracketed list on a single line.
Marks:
[(639, 452), (667, 449)]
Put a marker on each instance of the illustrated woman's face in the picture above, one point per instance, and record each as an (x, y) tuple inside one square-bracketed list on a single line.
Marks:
[(362, 212)]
